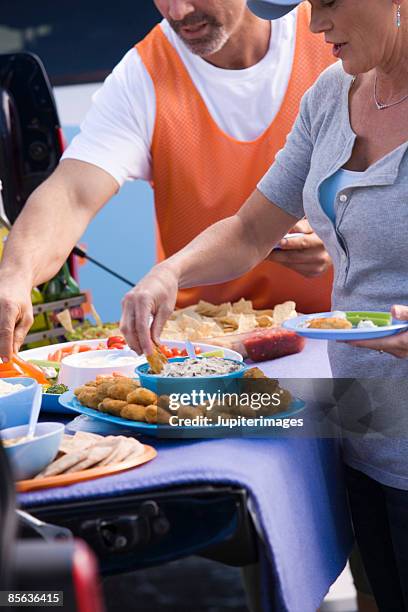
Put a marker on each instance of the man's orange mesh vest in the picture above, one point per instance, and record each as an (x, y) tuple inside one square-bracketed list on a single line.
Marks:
[(202, 175)]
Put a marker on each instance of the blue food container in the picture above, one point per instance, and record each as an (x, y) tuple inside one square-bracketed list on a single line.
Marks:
[(31, 457), (15, 408), (163, 385)]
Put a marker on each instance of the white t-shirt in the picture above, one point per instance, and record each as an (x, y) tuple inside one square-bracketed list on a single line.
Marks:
[(117, 132)]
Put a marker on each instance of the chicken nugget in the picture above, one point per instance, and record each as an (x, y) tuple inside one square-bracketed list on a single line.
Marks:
[(151, 414), (88, 398), (142, 396), (134, 412), (121, 388), (111, 406)]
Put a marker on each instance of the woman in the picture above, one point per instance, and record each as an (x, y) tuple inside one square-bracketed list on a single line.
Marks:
[(345, 166)]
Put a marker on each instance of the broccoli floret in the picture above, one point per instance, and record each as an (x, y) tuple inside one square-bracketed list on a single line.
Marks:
[(57, 389)]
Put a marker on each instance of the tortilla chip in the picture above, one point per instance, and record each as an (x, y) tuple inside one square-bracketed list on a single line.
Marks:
[(64, 318), (243, 307), (246, 322), (283, 312)]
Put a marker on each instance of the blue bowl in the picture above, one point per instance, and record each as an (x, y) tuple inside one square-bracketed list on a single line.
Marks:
[(15, 409), (29, 458), (163, 385)]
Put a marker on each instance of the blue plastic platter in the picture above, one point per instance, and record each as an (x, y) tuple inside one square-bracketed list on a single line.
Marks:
[(296, 325), (70, 403)]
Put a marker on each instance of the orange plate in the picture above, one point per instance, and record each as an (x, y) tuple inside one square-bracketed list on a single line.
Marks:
[(23, 486)]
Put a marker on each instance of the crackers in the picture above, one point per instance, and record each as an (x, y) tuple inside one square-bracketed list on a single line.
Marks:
[(84, 451)]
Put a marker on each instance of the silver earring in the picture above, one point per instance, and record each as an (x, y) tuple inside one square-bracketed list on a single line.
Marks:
[(399, 16)]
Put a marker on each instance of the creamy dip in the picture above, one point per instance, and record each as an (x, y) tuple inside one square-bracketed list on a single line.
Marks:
[(14, 441), (8, 388), (367, 325), (104, 360), (206, 366)]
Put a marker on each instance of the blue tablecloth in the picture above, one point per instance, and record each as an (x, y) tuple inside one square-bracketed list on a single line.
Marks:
[(295, 487)]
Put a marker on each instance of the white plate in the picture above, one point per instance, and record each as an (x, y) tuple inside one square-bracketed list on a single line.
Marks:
[(42, 352)]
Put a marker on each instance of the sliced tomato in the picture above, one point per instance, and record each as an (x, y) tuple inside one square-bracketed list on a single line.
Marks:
[(57, 356), (116, 340), (167, 352)]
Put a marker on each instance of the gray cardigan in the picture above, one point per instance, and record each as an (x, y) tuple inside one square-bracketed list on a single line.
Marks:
[(369, 248)]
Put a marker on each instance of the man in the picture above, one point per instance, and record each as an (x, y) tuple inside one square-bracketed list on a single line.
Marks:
[(200, 107)]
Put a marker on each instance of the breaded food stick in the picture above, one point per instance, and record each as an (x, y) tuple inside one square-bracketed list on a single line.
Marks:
[(156, 360), (162, 416), (121, 388), (111, 406), (142, 396), (151, 414), (134, 412), (88, 398)]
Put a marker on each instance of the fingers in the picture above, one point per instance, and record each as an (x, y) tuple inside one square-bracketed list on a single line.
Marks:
[(154, 297), (299, 243), (400, 312), (163, 313), (134, 324), (21, 330), (394, 345), (9, 315), (310, 263)]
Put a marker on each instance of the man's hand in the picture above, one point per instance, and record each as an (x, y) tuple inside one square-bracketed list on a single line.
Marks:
[(155, 296), (304, 254), (16, 316)]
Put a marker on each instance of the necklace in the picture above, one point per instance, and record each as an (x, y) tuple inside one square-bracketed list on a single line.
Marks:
[(380, 105)]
